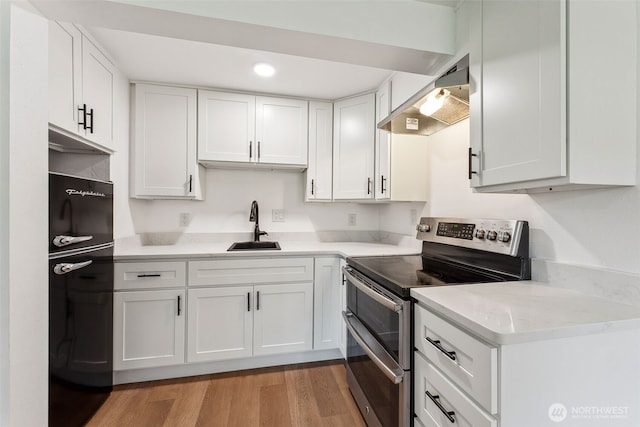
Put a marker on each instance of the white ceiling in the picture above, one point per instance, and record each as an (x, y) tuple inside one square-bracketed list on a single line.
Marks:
[(154, 58), (182, 62)]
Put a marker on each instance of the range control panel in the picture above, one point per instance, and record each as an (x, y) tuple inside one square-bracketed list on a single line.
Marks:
[(501, 236)]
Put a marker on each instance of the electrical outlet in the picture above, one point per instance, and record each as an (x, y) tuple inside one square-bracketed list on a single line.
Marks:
[(352, 219), (185, 219), (277, 215)]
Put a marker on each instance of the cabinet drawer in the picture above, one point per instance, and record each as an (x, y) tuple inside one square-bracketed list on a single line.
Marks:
[(250, 271), (149, 275), (473, 367), (459, 407)]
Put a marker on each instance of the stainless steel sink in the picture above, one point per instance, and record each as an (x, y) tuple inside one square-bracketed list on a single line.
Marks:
[(254, 246)]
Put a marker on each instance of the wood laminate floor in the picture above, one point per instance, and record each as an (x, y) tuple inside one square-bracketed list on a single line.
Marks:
[(305, 395)]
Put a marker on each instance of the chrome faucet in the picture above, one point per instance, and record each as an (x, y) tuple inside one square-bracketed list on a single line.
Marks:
[(254, 216)]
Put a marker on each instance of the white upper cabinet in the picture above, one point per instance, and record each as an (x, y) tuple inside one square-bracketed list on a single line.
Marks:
[(319, 170), (235, 129), (81, 85), (164, 143), (354, 148), (281, 131), (549, 104), (226, 126), (383, 108)]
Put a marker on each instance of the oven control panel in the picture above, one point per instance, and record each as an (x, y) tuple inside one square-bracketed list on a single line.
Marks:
[(509, 237)]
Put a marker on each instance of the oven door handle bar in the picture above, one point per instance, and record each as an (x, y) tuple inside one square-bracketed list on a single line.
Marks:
[(358, 331), (388, 303)]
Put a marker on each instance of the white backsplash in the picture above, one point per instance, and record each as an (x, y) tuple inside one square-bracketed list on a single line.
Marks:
[(613, 285)]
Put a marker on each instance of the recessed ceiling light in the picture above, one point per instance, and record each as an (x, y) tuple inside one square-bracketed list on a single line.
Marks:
[(264, 70)]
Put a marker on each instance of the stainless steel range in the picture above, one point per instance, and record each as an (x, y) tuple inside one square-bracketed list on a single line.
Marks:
[(379, 308)]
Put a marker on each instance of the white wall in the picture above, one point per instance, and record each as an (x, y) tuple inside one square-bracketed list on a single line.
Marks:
[(24, 348), (228, 197)]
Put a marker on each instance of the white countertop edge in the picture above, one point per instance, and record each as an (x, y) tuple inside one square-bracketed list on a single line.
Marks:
[(218, 250), (451, 311)]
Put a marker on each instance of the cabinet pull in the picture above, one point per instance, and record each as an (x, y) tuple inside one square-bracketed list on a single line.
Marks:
[(436, 343), (312, 189), (368, 185), (190, 183), (471, 155), (248, 301), (382, 181), (258, 150), (179, 305), (83, 110), (250, 150), (436, 399), (90, 127), (257, 300), (149, 275)]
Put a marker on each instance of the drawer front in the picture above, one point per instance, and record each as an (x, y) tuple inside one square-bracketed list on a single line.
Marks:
[(446, 402), (473, 366), (250, 271), (149, 275)]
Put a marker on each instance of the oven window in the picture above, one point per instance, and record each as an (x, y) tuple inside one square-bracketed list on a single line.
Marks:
[(383, 322), (382, 394)]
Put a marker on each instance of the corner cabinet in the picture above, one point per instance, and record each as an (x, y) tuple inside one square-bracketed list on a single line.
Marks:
[(81, 86), (238, 129), (163, 158), (354, 148), (544, 116), (319, 170)]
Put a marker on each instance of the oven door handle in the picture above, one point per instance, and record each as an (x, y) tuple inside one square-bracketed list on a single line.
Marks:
[(388, 303), (395, 373)]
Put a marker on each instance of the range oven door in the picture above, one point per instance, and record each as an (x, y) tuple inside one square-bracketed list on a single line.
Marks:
[(378, 351)]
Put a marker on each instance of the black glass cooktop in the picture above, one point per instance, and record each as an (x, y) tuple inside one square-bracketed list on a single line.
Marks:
[(401, 273)]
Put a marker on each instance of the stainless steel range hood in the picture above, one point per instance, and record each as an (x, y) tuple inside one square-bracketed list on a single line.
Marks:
[(451, 91)]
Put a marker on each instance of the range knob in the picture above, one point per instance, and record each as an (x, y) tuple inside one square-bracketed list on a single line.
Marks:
[(491, 235), (504, 236), (480, 233), (423, 228)]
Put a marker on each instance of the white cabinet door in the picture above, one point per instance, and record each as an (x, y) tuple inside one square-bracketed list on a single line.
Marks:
[(326, 301), (354, 148), (98, 79), (281, 131), (65, 74), (148, 329), (283, 318), (320, 168), (164, 140), (226, 127), (220, 323), (523, 93), (383, 108)]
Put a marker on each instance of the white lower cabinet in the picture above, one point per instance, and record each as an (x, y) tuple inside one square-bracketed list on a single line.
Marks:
[(327, 299), (242, 321), (220, 323), (148, 329), (283, 318)]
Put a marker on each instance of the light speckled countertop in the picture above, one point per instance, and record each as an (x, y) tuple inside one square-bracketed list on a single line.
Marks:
[(294, 248), (517, 312)]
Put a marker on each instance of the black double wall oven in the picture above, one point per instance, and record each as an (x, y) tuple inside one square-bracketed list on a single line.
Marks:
[(80, 298), (379, 310)]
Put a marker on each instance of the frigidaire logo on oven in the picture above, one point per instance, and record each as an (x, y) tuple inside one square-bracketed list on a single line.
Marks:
[(73, 192)]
